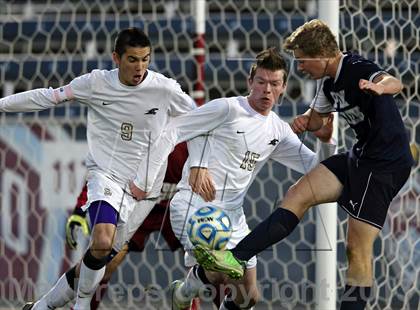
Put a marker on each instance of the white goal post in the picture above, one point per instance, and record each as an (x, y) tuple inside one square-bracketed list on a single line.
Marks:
[(326, 220)]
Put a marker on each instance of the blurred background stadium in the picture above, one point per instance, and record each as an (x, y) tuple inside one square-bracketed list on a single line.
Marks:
[(48, 43)]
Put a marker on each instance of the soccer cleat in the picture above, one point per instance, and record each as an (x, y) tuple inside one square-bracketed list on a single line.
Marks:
[(176, 303), (219, 261), (28, 305)]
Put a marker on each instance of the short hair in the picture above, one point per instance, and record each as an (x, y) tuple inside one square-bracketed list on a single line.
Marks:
[(131, 37), (269, 59), (313, 38)]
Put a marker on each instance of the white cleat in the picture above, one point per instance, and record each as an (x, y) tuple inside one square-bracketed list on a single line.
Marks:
[(176, 303)]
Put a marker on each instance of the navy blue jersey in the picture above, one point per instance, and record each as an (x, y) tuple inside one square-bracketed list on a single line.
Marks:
[(382, 141)]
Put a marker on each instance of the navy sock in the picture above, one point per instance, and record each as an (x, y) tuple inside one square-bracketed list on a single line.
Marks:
[(201, 274), (229, 304), (355, 298), (273, 229)]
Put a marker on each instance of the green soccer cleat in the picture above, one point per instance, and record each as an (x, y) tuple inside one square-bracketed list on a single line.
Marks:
[(219, 261), (176, 303)]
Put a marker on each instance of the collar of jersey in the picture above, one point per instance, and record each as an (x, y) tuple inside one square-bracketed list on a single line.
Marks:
[(243, 101), (142, 84), (340, 65)]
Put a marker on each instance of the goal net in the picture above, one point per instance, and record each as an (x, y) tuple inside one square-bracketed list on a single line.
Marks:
[(49, 42)]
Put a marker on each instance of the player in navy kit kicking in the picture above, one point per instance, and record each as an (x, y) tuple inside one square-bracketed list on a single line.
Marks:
[(363, 180)]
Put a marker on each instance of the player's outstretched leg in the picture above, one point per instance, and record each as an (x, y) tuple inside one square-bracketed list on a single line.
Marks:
[(92, 268), (278, 225), (219, 261), (60, 294)]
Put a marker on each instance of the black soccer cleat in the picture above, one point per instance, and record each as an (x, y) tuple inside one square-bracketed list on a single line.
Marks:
[(28, 305)]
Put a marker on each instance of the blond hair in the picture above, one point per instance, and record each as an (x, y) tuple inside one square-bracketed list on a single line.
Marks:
[(313, 38)]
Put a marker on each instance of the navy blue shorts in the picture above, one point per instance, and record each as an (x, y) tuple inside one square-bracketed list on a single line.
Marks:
[(366, 194)]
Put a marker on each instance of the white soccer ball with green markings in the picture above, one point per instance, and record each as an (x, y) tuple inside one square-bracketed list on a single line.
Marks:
[(210, 227)]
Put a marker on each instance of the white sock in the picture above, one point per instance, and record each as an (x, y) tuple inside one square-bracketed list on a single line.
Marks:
[(222, 307), (88, 282), (59, 295), (190, 287)]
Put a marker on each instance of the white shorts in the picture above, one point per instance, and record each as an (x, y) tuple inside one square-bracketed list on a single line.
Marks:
[(131, 213), (180, 213)]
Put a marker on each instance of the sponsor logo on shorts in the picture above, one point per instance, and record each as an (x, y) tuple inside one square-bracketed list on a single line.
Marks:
[(353, 204)]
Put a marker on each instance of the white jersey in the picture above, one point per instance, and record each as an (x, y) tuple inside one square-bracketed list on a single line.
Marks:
[(123, 121), (240, 141)]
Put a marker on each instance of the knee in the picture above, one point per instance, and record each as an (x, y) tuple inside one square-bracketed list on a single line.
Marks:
[(296, 201), (101, 246)]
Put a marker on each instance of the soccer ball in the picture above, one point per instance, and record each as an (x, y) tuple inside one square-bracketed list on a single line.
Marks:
[(210, 227)]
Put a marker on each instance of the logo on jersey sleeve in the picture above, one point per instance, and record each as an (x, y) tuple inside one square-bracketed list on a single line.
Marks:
[(353, 204), (152, 111), (62, 94), (273, 142)]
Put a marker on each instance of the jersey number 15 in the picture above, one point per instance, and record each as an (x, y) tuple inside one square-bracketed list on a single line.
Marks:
[(249, 161)]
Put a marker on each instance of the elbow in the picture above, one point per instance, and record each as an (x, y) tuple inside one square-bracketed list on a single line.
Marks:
[(397, 85), (400, 87), (390, 84)]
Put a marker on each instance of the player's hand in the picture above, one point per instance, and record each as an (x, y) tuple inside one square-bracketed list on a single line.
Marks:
[(75, 222), (325, 132), (136, 192), (310, 121), (370, 87), (300, 124), (201, 183)]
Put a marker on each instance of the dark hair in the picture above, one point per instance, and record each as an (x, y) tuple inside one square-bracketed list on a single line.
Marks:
[(132, 37), (313, 38), (269, 59)]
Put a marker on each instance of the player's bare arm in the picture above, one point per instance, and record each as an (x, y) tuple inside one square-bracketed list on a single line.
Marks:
[(384, 84), (324, 134)]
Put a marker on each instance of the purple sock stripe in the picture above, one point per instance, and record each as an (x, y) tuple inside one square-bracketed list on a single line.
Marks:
[(102, 212)]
